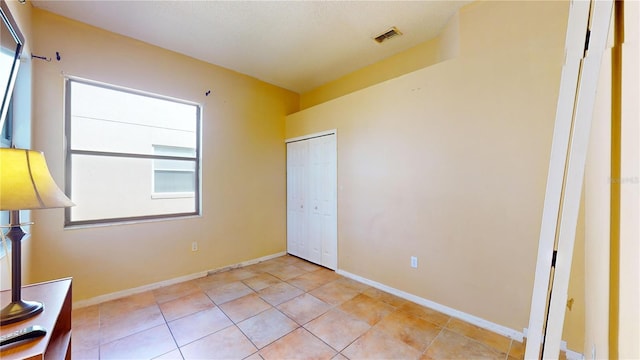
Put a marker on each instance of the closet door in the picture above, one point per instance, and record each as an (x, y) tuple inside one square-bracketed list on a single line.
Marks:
[(322, 210), (297, 188), (312, 200)]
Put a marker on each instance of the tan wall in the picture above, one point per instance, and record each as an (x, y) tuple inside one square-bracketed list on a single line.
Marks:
[(451, 166), (417, 57), (243, 203), (441, 48)]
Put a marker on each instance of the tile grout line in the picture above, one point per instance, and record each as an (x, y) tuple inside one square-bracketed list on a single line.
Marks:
[(166, 323), (445, 326), (298, 326), (175, 341), (288, 317), (432, 341), (478, 341)]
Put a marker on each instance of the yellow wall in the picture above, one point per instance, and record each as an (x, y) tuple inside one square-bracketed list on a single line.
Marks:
[(243, 169), (451, 165), (441, 48), (417, 57)]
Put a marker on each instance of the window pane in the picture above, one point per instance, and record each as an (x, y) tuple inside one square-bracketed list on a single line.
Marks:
[(132, 155), (169, 181), (109, 120), (164, 164), (123, 189)]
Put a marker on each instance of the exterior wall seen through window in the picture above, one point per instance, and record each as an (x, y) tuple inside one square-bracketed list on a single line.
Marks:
[(131, 155)]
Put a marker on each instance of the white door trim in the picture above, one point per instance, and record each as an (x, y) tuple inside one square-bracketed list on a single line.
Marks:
[(588, 26), (313, 135)]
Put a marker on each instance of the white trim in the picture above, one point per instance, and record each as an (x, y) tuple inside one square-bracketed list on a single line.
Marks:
[(172, 195), (572, 355), (140, 289), (247, 263), (573, 180), (309, 136), (574, 51), (485, 324), (566, 173), (471, 319), (137, 290)]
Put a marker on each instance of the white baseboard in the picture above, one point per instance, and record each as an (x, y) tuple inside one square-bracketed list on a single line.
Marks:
[(140, 289), (480, 322), (247, 263), (571, 355), (485, 324)]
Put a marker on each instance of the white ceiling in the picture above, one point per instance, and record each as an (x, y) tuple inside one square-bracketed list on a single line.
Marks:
[(298, 45)]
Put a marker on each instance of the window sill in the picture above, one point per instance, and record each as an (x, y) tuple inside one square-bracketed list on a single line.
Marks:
[(175, 195), (131, 221)]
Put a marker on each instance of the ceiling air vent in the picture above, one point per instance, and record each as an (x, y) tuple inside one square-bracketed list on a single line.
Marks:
[(387, 35)]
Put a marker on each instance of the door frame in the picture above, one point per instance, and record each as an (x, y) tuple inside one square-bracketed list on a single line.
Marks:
[(586, 41), (313, 135)]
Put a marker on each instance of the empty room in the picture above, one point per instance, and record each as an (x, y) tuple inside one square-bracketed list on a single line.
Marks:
[(320, 179)]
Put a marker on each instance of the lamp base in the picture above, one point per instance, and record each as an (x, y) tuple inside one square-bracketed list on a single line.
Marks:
[(19, 310)]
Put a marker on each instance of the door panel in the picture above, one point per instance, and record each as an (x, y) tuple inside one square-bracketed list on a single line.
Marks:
[(315, 199), (296, 193), (327, 200)]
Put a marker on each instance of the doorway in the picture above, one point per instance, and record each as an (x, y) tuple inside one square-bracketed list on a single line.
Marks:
[(312, 227)]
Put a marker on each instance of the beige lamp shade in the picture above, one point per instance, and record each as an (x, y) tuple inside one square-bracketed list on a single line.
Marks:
[(25, 182)]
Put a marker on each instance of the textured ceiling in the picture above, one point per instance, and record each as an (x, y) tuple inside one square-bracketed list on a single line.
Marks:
[(298, 45)]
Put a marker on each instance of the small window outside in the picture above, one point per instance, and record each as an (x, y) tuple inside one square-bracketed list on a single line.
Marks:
[(173, 178), (130, 155)]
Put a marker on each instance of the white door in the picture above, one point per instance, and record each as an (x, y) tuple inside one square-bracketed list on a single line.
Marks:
[(312, 200), (297, 168)]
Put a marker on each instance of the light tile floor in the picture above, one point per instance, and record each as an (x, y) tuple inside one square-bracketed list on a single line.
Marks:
[(285, 308)]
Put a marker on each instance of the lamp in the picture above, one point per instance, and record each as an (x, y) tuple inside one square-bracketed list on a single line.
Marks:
[(25, 183)]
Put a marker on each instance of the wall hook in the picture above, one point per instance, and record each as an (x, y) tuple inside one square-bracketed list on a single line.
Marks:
[(40, 57), (58, 56), (207, 93)]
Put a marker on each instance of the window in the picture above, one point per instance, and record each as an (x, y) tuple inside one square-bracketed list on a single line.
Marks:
[(7, 127), (130, 155), (173, 178)]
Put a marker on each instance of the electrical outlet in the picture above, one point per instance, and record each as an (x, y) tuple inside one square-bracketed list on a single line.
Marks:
[(414, 262), (194, 246)]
